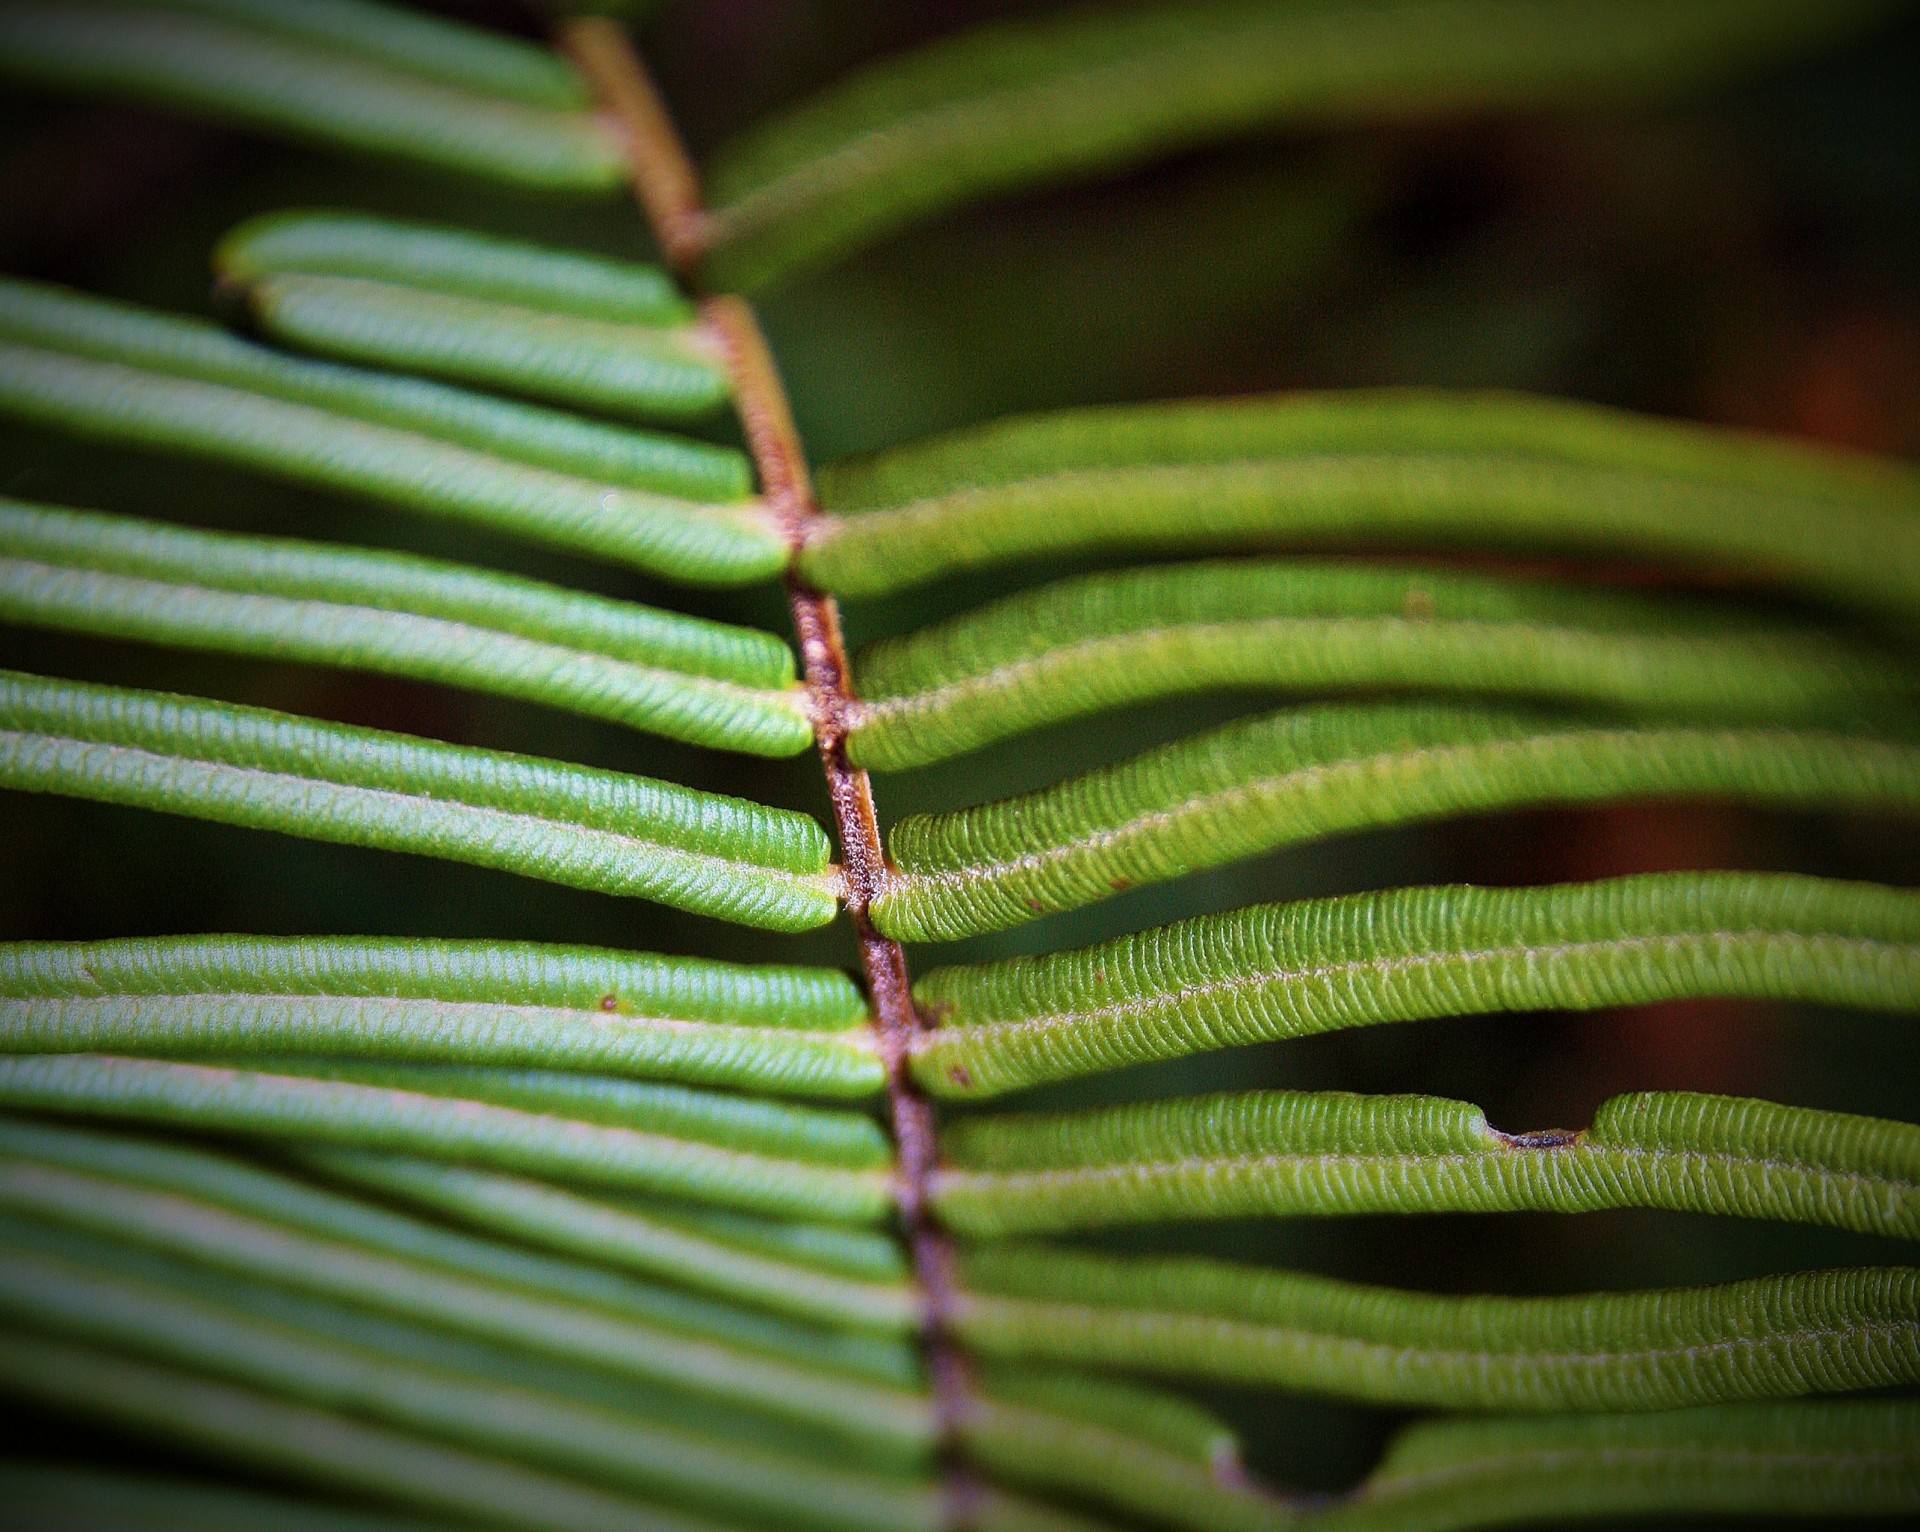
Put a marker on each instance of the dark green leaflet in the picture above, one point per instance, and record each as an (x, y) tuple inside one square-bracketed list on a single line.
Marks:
[(445, 259), (634, 1237), (1772, 1337), (1303, 773), (1291, 970), (275, 1199), (265, 770), (259, 1104), (1125, 639), (273, 80), (1302, 1153), (314, 1447), (600, 334), (1096, 89), (1841, 1458), (1397, 467), (56, 319), (791, 1372), (519, 1423), (640, 372), (663, 534), (458, 55), (705, 683), (771, 1029)]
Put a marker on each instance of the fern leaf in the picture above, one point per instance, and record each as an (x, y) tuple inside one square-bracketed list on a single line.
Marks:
[(252, 1102), (860, 1411), (775, 1030), (1392, 467), (313, 1446), (1101, 88), (519, 1423), (1262, 783), (1291, 1154), (663, 535), (120, 578), (427, 45), (453, 261), (1292, 970), (633, 1237), (639, 371), (267, 78), (1771, 1337), (79, 324), (1835, 1458), (785, 1130), (1117, 640), (273, 1199), (568, 824), (781, 1031)]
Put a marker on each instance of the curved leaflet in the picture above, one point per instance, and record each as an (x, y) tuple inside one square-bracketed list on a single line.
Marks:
[(1320, 965), (1391, 467), (1314, 1154), (587, 828), (1121, 640), (1262, 783)]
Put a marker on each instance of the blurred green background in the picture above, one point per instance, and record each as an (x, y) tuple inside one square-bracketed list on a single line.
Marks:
[(1752, 258)]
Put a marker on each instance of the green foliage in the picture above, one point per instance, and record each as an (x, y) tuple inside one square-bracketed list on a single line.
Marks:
[(1812, 1332), (404, 87), (1292, 970), (55, 319), (590, 1240), (1292, 776), (602, 830), (707, 683), (1111, 641), (1102, 87), (1396, 467), (1319, 1153)]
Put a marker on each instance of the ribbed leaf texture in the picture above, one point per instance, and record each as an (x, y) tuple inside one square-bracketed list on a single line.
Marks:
[(1396, 468), (363, 1233)]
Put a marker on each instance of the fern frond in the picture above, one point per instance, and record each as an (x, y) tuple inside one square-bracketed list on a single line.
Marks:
[(587, 828), (660, 534), (782, 1031), (640, 371), (705, 683), (493, 312), (785, 1130), (344, 90), (1771, 1337), (1304, 1153), (1834, 1458), (1102, 88), (80, 324), (1320, 965), (1109, 641), (435, 46), (636, 1237), (740, 1369), (202, 1098), (1261, 783), (1813, 1459), (200, 1178), (1394, 467), (310, 1365)]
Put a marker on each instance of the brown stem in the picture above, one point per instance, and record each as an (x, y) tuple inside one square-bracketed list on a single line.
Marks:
[(668, 188)]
